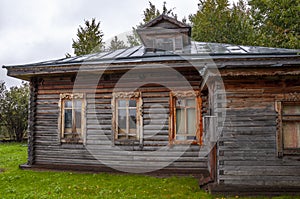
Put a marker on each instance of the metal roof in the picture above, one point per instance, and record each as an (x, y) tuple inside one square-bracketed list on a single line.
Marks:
[(195, 50)]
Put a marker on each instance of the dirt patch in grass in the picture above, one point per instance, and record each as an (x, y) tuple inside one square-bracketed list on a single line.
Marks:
[(2, 170)]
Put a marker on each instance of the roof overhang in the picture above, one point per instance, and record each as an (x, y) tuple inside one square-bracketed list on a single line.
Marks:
[(243, 64)]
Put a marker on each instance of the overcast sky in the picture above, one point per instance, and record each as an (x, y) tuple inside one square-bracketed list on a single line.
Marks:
[(40, 30)]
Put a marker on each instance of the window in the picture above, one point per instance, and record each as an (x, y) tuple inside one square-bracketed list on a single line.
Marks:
[(288, 127), (72, 118), (185, 117), (127, 119), (168, 43), (164, 44)]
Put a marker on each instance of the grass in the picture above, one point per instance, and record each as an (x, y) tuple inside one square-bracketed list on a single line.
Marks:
[(16, 183)]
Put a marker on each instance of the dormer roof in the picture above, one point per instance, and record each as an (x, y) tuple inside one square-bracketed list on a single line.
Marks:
[(167, 20), (165, 33)]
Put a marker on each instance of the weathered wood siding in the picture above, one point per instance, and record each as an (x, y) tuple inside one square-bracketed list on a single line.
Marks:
[(49, 150), (247, 149)]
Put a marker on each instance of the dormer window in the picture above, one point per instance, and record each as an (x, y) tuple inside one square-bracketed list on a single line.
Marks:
[(168, 43), (165, 33)]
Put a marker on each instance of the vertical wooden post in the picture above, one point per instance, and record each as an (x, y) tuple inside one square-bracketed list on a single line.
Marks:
[(213, 163), (200, 120), (171, 119), (32, 119), (278, 109)]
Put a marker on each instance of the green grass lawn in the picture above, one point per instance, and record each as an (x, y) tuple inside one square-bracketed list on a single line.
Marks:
[(16, 183)]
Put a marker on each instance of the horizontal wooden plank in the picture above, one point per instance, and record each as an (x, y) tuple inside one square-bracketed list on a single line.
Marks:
[(275, 162), (261, 171)]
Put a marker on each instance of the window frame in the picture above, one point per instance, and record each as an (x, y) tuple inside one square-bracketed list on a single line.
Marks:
[(172, 118), (174, 41), (61, 123), (139, 119), (281, 100)]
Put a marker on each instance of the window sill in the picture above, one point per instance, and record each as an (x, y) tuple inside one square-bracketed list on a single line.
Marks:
[(291, 152), (127, 142), (185, 142), (71, 145)]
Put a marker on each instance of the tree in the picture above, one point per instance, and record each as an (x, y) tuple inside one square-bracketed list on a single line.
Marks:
[(14, 110), (133, 39), (116, 44), (216, 22), (239, 25), (152, 12), (2, 93), (89, 38), (276, 22), (149, 14)]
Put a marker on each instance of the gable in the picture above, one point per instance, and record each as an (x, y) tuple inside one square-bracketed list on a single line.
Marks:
[(165, 20), (165, 24), (165, 33)]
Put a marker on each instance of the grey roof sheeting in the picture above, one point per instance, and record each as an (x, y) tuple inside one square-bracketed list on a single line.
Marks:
[(140, 53)]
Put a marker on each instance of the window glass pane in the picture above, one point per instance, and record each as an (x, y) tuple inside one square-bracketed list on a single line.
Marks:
[(68, 104), (78, 118), (191, 121), (190, 102), (178, 43), (132, 119), (180, 103), (122, 121), (164, 43), (68, 118), (168, 46), (180, 121), (291, 109), (132, 103), (180, 137), (77, 104), (291, 135), (191, 137), (122, 103)]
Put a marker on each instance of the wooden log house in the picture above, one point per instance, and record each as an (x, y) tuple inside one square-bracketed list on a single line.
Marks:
[(227, 114)]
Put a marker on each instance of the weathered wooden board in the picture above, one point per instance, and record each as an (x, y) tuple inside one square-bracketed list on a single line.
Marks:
[(247, 152), (49, 150)]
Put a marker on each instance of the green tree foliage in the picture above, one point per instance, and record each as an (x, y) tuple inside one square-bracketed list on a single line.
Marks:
[(152, 12), (89, 38), (2, 89), (215, 21), (14, 110), (116, 44), (277, 22), (133, 39), (149, 14)]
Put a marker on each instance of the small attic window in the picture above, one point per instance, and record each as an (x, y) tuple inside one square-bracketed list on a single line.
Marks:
[(165, 33), (168, 43)]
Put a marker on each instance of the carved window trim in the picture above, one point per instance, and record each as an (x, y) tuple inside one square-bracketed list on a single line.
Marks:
[(61, 123), (174, 95), (139, 117), (281, 101)]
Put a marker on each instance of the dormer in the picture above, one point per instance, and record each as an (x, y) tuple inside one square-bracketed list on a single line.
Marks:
[(165, 33)]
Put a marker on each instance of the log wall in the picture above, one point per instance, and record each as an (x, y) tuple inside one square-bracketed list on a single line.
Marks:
[(247, 153), (99, 146)]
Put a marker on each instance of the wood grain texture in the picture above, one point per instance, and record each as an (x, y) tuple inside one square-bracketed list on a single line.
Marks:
[(48, 150), (248, 148)]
